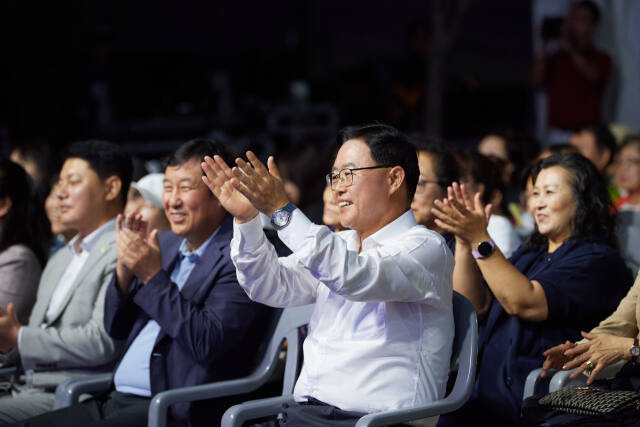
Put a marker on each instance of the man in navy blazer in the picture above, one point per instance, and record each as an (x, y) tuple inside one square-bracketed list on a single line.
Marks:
[(176, 301)]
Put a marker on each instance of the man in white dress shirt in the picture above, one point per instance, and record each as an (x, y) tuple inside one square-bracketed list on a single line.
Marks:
[(381, 332)]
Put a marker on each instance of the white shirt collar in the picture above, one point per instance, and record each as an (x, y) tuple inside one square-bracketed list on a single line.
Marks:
[(390, 232), (90, 240)]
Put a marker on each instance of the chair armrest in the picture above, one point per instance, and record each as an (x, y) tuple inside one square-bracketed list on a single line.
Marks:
[(428, 410), (69, 391), (238, 414), (7, 372), (561, 378), (160, 402), (534, 379)]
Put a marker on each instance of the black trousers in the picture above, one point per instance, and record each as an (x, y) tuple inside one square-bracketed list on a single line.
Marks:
[(113, 409), (315, 413)]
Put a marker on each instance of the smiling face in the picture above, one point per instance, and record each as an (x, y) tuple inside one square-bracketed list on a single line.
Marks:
[(427, 190), (365, 206), (554, 204), (193, 212), (82, 197)]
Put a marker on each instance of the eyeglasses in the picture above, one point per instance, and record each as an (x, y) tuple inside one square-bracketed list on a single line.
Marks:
[(345, 176)]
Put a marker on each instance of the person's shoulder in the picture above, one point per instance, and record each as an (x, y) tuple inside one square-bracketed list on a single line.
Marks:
[(419, 235), (19, 252)]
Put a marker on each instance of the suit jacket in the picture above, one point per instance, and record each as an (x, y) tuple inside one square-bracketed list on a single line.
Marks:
[(19, 275), (625, 320), (74, 341), (210, 330)]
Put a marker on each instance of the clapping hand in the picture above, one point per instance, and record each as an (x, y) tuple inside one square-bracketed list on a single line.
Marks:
[(138, 253), (464, 217), (246, 188)]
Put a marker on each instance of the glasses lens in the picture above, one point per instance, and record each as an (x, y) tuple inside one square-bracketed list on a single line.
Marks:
[(346, 177)]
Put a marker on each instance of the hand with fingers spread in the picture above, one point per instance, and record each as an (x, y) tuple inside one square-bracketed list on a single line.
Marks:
[(138, 255), (218, 177), (261, 185), (462, 216), (9, 328), (596, 354)]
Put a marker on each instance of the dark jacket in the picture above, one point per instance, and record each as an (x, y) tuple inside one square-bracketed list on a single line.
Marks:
[(210, 330)]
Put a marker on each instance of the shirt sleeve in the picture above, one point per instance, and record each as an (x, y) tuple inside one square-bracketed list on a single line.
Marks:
[(415, 267), (265, 278)]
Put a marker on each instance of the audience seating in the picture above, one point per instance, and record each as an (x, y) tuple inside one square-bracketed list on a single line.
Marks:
[(465, 349), (285, 326), (557, 379)]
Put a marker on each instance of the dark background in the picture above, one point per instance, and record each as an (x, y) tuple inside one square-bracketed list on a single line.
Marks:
[(159, 61)]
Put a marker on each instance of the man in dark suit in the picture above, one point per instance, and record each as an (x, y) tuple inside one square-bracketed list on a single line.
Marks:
[(176, 301)]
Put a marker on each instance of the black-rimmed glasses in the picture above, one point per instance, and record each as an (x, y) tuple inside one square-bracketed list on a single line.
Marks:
[(345, 176)]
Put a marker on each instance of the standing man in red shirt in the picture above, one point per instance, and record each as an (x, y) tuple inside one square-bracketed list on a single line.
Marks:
[(576, 75)]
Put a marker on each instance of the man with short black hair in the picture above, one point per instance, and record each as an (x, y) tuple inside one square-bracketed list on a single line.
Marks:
[(65, 336), (176, 301), (596, 143), (381, 332)]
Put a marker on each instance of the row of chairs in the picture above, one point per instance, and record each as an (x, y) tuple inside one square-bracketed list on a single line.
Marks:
[(463, 366)]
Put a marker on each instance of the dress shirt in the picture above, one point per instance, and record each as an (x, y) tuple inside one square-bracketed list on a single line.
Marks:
[(381, 332), (132, 374)]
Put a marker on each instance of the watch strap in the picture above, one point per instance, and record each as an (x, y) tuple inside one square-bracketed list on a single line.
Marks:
[(477, 254)]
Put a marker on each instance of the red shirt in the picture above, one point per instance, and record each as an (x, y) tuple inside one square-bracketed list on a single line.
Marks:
[(574, 100)]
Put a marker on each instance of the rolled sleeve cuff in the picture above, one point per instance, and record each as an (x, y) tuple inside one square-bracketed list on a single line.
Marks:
[(293, 234), (249, 235)]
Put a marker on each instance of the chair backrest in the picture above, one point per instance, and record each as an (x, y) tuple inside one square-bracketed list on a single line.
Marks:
[(287, 328), (465, 349)]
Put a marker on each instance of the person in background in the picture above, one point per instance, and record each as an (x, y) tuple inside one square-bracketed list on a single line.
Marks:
[(575, 75), (563, 280), (145, 199), (40, 162), (627, 174), (60, 232), (438, 170), (22, 253), (596, 143), (482, 174)]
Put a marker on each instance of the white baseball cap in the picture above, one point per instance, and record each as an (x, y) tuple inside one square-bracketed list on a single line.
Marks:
[(150, 186)]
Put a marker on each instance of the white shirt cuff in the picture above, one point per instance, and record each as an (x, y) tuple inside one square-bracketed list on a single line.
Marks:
[(293, 234), (249, 234)]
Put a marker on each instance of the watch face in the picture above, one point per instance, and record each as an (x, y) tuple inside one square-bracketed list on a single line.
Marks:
[(485, 248), (635, 351), (280, 218)]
